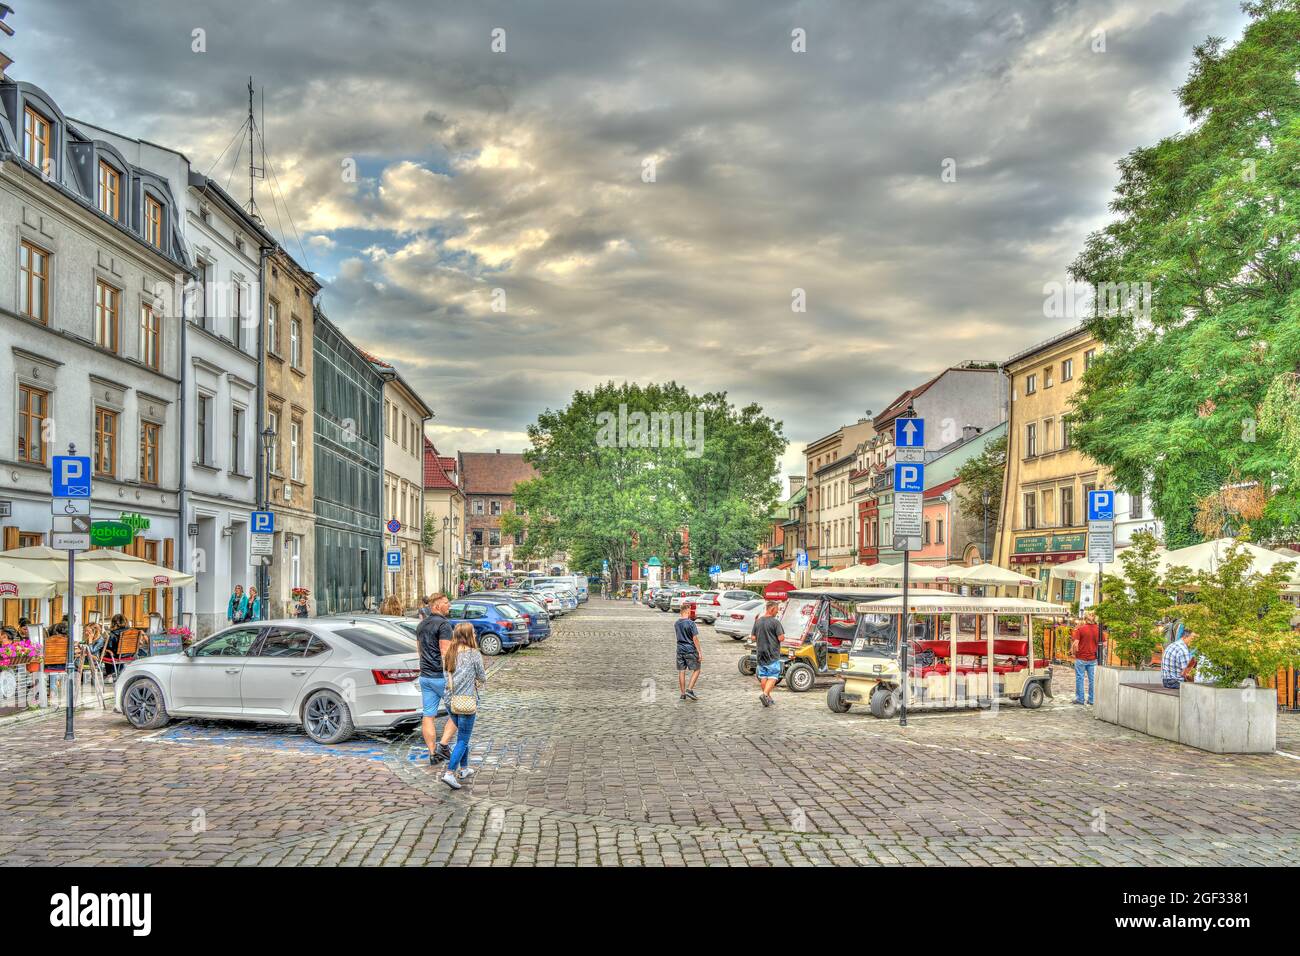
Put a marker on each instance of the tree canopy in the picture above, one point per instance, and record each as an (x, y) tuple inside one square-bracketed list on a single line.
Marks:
[(624, 468), (1191, 392)]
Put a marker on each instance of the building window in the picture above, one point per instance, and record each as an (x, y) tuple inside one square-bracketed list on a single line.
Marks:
[(494, 538), (153, 222), (1065, 433), (1088, 358), (110, 190), (105, 443), (273, 326), (925, 536), (1067, 507), (1049, 432), (202, 313), (273, 455), (202, 419), (478, 537), (295, 449), (1135, 507), (938, 531), (33, 409), (1047, 377), (295, 343), (1031, 384), (494, 507), (107, 299), (478, 506), (1031, 440), (237, 440), (150, 336), (34, 282), (1067, 370), (1045, 507), (295, 560), (149, 432), (237, 313), (1031, 511), (36, 141)]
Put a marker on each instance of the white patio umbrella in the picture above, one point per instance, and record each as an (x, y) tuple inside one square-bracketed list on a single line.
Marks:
[(916, 574), (731, 577), (952, 572), (1208, 555), (92, 578), (991, 575), (1081, 570), (854, 572), (18, 581), (822, 576), (768, 575), (149, 575)]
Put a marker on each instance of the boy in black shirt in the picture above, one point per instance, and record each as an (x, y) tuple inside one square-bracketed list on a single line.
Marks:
[(688, 653)]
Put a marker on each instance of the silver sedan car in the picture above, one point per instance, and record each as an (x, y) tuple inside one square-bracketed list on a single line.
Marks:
[(330, 675)]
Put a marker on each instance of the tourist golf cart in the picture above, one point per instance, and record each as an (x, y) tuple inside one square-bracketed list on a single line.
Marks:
[(819, 625), (965, 652)]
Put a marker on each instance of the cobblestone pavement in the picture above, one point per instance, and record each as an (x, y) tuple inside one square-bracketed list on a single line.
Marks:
[(586, 755)]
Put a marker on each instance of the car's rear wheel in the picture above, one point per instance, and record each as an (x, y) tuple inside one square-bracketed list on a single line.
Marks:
[(489, 644), (326, 718), (142, 702)]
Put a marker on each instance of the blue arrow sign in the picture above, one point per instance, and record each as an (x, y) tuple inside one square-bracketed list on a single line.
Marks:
[(263, 522), (70, 476), (909, 476), (909, 432), (1101, 506)]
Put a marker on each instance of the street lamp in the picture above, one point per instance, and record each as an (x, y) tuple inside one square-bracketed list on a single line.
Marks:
[(986, 497), (446, 544), (263, 569)]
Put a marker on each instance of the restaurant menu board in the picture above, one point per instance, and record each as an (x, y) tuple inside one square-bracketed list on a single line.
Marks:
[(164, 644)]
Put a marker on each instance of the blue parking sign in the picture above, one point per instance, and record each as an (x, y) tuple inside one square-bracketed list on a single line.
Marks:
[(1101, 506), (70, 476), (263, 522), (909, 476), (393, 559), (744, 567)]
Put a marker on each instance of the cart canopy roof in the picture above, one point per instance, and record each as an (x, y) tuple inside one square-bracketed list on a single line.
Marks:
[(845, 594), (943, 602)]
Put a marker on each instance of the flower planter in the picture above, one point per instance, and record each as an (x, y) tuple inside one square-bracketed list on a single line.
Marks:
[(1109, 681), (1228, 720)]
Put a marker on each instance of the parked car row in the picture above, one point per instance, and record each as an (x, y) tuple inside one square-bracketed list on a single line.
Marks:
[(331, 675)]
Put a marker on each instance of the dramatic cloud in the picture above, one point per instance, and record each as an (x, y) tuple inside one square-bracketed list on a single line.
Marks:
[(484, 178)]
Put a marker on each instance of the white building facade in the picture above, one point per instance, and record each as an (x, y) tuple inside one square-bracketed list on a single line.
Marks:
[(90, 342), (405, 415)]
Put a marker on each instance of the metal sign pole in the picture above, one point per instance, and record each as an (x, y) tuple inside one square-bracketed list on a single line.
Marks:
[(904, 644), (70, 672)]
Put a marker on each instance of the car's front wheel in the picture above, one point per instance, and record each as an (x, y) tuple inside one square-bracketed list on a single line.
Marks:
[(143, 705), (489, 644), (326, 718)]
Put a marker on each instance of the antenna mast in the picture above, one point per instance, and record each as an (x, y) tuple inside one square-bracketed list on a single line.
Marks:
[(255, 172)]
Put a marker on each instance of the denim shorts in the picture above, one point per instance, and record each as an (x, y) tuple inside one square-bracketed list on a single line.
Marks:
[(433, 690), (772, 670)]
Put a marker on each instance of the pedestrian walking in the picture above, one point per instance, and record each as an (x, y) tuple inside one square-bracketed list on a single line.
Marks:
[(434, 635), (423, 610), (1083, 646), (767, 633), (300, 606), (237, 607), (465, 675), (688, 654), (254, 606)]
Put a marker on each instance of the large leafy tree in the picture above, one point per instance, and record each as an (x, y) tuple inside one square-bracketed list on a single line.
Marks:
[(1209, 218), (980, 480), (624, 501)]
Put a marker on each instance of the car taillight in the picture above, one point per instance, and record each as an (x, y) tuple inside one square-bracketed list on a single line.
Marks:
[(737, 617), (395, 676), (716, 602)]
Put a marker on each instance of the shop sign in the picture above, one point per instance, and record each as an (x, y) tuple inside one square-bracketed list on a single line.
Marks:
[(111, 534)]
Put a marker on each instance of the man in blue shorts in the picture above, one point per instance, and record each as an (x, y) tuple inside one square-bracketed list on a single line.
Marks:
[(767, 634), (434, 637)]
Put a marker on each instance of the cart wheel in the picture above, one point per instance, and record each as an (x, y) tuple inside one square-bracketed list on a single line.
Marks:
[(747, 665), (1032, 696), (800, 677), (835, 699), (884, 703)]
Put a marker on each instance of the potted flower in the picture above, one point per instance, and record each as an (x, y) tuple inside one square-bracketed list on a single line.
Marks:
[(186, 635)]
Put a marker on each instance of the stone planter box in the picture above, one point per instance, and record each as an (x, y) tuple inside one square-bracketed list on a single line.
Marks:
[(1240, 720)]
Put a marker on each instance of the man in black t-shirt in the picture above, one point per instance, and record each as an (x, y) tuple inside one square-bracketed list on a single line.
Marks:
[(767, 633), (688, 653), (434, 637)]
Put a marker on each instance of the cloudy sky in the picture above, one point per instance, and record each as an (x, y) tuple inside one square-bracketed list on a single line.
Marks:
[(773, 170)]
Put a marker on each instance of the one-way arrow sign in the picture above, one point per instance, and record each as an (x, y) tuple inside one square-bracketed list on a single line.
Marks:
[(909, 432)]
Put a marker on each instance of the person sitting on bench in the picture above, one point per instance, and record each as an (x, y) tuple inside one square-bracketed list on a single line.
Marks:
[(1176, 661)]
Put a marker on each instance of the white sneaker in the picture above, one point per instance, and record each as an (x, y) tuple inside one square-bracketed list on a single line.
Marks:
[(466, 772), (450, 780)]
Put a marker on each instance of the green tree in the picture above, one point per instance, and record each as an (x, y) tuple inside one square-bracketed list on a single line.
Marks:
[(1134, 604), (622, 501), (981, 478), (1206, 221), (1242, 624)]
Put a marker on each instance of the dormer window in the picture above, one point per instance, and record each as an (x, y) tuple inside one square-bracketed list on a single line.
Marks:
[(36, 139), (153, 222), (110, 190)]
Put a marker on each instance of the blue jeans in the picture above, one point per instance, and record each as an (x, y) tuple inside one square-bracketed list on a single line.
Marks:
[(1081, 668), (460, 753)]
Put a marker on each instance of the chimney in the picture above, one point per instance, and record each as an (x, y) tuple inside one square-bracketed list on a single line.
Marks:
[(796, 482), (970, 431), (498, 451), (8, 31)]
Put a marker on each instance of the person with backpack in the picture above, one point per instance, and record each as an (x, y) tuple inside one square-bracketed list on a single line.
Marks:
[(463, 665)]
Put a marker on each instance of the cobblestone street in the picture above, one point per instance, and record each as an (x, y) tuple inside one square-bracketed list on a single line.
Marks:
[(586, 755)]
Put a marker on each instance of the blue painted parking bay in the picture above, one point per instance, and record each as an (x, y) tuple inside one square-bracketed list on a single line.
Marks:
[(269, 737)]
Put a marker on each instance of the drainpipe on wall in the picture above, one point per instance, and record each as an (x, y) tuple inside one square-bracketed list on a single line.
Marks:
[(182, 508), (262, 490)]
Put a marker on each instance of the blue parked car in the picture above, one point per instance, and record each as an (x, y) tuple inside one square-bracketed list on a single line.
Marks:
[(539, 622), (500, 625)]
